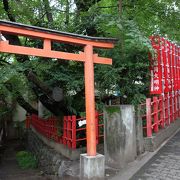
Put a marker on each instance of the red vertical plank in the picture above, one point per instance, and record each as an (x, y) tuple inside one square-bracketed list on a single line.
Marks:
[(148, 117), (56, 129), (69, 132), (171, 107), (155, 108), (173, 67), (179, 67), (175, 105), (164, 56), (74, 132), (178, 97), (166, 109), (65, 130), (176, 67), (28, 120), (169, 69), (161, 107), (53, 132)]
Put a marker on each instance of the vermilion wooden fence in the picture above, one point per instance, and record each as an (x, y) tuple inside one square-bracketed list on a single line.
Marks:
[(159, 112), (73, 133), (48, 128)]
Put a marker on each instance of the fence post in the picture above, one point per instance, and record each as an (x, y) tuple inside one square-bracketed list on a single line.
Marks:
[(65, 130), (148, 117), (69, 132), (97, 126), (178, 104), (175, 105), (167, 110), (155, 101), (161, 107), (54, 128), (74, 132), (28, 121), (171, 107)]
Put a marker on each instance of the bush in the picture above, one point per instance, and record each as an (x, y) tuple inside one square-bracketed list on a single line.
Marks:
[(26, 160)]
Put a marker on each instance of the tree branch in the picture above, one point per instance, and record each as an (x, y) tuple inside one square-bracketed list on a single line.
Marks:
[(33, 78), (4, 62), (21, 101), (84, 5), (120, 7), (48, 11), (46, 98), (8, 10), (101, 7)]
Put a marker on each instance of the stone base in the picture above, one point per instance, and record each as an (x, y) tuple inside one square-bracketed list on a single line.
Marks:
[(152, 143), (92, 167)]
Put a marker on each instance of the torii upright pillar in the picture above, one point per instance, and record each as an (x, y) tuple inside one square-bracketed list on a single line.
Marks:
[(92, 164), (90, 101)]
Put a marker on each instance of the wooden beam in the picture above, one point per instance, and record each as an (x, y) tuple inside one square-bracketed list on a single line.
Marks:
[(102, 60), (47, 52), (5, 47)]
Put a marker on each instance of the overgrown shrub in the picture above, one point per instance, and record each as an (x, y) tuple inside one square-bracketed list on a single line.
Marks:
[(26, 160)]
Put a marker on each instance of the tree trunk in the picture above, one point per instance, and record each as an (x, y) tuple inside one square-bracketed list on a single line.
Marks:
[(120, 7), (48, 11), (8, 10), (46, 99), (67, 13), (33, 78), (21, 101)]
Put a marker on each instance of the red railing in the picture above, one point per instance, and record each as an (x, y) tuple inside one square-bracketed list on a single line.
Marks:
[(159, 112), (48, 128), (73, 133)]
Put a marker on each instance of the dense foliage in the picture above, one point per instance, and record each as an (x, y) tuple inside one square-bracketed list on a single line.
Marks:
[(30, 78), (26, 160)]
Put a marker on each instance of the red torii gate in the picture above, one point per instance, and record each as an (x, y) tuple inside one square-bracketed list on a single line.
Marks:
[(88, 57)]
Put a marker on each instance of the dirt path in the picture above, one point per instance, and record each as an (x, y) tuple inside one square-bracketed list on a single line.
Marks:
[(9, 169)]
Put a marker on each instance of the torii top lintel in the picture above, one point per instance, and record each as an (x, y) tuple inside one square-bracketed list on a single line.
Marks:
[(48, 36)]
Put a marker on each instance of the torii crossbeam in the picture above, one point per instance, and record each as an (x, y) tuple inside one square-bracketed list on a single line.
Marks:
[(88, 57)]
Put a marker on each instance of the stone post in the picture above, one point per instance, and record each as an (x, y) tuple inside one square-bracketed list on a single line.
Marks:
[(119, 135), (139, 132)]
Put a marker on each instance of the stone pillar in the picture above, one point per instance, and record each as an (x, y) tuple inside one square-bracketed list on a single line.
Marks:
[(119, 135), (139, 132), (92, 167)]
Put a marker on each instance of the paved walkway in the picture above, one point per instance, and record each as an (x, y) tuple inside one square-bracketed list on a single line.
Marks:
[(165, 165)]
